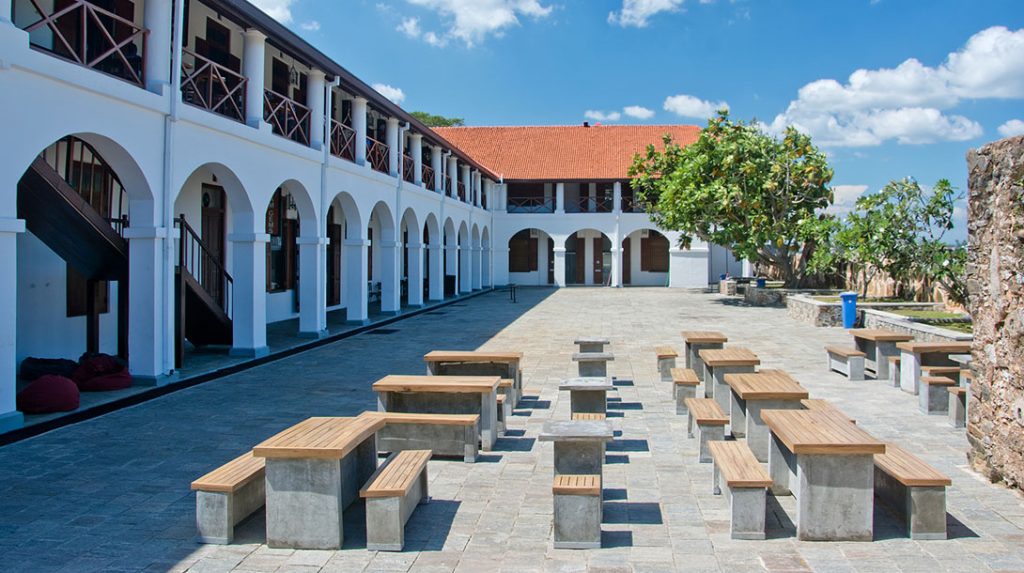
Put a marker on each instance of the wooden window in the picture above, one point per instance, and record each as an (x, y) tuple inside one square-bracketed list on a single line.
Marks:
[(281, 249), (522, 255), (654, 253), (216, 46), (77, 299)]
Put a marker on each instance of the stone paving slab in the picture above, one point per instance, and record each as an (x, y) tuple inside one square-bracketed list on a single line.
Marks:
[(111, 494)]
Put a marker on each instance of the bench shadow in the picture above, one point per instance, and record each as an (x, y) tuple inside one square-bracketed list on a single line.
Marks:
[(430, 524), (614, 493), (522, 414), (611, 539), (616, 459), (777, 524), (507, 444), (633, 512), (613, 399), (956, 529), (482, 458), (515, 433), (614, 414), (628, 445), (622, 381), (534, 404), (625, 406)]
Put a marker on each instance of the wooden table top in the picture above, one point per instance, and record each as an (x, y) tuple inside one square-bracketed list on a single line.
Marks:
[(729, 357), (445, 384), (880, 335), (766, 385), (820, 432), (930, 347), (472, 356), (321, 438), (704, 337)]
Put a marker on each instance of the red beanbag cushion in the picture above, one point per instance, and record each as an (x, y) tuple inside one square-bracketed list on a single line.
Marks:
[(91, 366), (104, 382), (49, 394)]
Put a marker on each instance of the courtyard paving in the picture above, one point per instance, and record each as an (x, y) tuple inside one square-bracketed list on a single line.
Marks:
[(112, 493)]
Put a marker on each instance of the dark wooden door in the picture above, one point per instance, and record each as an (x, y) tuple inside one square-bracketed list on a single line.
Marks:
[(212, 231), (551, 261), (598, 256), (581, 260), (334, 264), (627, 258)]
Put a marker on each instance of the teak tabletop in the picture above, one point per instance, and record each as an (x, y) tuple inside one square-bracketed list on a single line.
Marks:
[(766, 385), (880, 335), (446, 384), (472, 356), (704, 337), (324, 438), (729, 357), (929, 347), (820, 432)]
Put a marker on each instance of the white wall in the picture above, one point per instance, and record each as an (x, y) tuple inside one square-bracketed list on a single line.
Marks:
[(722, 261)]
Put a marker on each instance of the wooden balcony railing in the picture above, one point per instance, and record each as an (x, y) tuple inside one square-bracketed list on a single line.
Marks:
[(211, 86), (88, 35), (462, 191), (483, 199), (288, 118), (598, 204), (205, 267), (428, 177), (408, 169), (531, 205), (377, 155), (343, 141), (448, 185), (82, 167), (631, 204)]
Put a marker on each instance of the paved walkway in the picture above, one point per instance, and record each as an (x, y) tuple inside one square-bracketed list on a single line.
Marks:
[(111, 494)]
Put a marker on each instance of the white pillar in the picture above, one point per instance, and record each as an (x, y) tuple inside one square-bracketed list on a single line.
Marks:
[(5, 18), (478, 269), (390, 286), (435, 164), (476, 187), (500, 197), (465, 280), (616, 279), (359, 126), (415, 278), (559, 266), (312, 287), (617, 197), (10, 417), (249, 308), (436, 272), (394, 152), (158, 18), (354, 275), (254, 69), (588, 261), (453, 172), (559, 197), (316, 101), (146, 329), (467, 182), (486, 280), (416, 150)]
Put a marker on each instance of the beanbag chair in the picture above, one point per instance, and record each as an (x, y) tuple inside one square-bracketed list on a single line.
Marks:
[(95, 365), (104, 382), (32, 368), (47, 394)]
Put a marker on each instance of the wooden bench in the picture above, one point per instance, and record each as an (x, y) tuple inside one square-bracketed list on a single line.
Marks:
[(894, 371), (948, 371), (824, 405), (915, 355), (666, 361), (933, 397), (577, 501), (392, 493), (684, 385), (707, 417), (596, 416), (849, 361), (738, 472), (957, 406), (455, 435), (227, 495), (914, 489)]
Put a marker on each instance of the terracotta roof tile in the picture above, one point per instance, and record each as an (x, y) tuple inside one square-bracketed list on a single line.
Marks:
[(561, 153)]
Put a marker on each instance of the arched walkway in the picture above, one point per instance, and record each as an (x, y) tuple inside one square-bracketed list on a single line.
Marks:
[(588, 258), (645, 258), (465, 260), (433, 258), (476, 262), (382, 270), (412, 260), (531, 258), (450, 260)]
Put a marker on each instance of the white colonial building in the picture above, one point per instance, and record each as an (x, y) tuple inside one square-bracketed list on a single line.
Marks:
[(182, 174)]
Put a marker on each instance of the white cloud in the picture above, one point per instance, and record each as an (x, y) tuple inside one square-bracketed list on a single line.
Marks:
[(906, 103), (602, 116), (473, 21), (392, 93), (690, 106), (636, 13), (410, 27), (311, 26), (1011, 128), (845, 197), (280, 10), (639, 112)]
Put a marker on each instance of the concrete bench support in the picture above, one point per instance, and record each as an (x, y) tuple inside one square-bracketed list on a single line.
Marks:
[(413, 432), (850, 363), (387, 513), (894, 371), (217, 513), (914, 489), (666, 362), (957, 407), (577, 512), (707, 420), (933, 394), (592, 364), (745, 482)]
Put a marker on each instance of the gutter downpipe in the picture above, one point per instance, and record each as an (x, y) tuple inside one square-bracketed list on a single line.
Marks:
[(168, 180), (324, 204)]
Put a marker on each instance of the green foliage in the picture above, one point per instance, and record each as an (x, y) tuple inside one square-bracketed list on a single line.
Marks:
[(738, 187), (431, 120)]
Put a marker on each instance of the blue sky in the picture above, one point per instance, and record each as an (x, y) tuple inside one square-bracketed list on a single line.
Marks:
[(888, 88)]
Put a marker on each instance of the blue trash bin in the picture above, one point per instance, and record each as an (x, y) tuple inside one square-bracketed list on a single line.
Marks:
[(849, 309), (761, 282)]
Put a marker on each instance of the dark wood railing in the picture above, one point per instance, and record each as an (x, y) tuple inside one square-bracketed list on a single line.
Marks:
[(343, 141), (408, 169), (462, 191), (90, 36), (483, 199), (287, 117), (428, 177), (597, 204), (211, 86), (204, 266), (377, 155), (448, 185), (531, 205), (630, 204), (84, 169)]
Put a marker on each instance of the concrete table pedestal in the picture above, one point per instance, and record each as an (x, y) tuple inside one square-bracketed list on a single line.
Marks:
[(479, 363), (587, 395), (878, 345), (720, 389), (593, 364), (693, 342), (578, 445), (752, 393), (913, 355), (591, 344), (718, 363)]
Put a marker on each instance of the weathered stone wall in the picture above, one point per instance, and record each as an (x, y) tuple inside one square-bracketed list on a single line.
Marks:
[(995, 275)]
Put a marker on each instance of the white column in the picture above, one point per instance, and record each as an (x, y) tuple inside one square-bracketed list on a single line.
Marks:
[(249, 308), (316, 101), (435, 164), (453, 172), (500, 197), (559, 197), (394, 152), (465, 280), (559, 265), (158, 18), (354, 275), (415, 278), (5, 18), (486, 280), (359, 126), (436, 272), (476, 187), (588, 261), (416, 150), (146, 330), (616, 279), (312, 287), (10, 417), (467, 181), (478, 269), (390, 287), (485, 194), (617, 197), (254, 69)]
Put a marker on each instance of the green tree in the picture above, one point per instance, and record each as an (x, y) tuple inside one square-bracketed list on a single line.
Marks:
[(431, 120), (760, 196)]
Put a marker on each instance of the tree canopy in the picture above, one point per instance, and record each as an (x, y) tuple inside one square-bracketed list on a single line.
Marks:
[(431, 120)]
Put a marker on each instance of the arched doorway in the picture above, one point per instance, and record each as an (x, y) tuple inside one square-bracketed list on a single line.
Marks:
[(588, 258), (645, 258), (531, 258)]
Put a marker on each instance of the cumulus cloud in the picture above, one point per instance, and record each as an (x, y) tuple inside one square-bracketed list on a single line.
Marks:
[(394, 94), (637, 13), (907, 103), (280, 10), (689, 106), (410, 27), (311, 26), (638, 112), (1011, 128), (597, 115), (845, 197), (473, 21)]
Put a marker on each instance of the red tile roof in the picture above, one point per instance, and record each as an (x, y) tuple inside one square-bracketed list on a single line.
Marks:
[(562, 153)]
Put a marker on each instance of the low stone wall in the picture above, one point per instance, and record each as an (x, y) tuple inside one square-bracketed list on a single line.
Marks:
[(872, 318), (764, 296), (808, 310)]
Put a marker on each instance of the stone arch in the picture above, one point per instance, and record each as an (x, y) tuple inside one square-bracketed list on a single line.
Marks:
[(531, 257), (645, 257), (588, 257)]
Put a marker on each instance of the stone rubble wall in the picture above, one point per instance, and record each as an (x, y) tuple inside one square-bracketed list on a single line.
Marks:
[(995, 281)]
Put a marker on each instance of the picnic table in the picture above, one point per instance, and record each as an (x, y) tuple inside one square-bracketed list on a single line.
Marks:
[(827, 463), (592, 343), (314, 470), (696, 340), (718, 363), (754, 393), (916, 354), (443, 395), (878, 345), (588, 394), (579, 445), (505, 364)]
